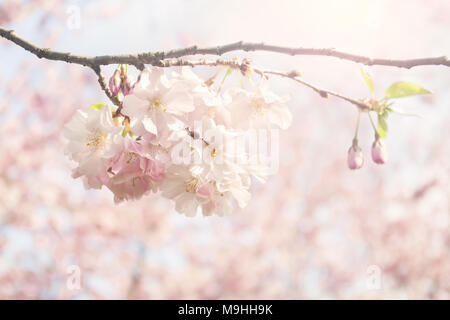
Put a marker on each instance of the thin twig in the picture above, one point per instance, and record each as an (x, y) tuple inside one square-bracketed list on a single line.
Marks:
[(244, 65), (101, 81), (324, 93)]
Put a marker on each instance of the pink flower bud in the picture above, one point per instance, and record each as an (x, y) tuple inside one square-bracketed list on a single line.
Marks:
[(126, 86), (114, 82), (355, 158), (379, 152)]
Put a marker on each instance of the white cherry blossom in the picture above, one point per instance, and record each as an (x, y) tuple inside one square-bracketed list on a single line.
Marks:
[(155, 102), (92, 137), (258, 109), (206, 100), (181, 184)]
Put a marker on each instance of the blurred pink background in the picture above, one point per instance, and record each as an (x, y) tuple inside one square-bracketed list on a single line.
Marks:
[(316, 230)]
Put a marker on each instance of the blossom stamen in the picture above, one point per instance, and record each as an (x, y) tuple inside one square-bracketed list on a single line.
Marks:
[(97, 141), (131, 157), (258, 105), (192, 185), (156, 104)]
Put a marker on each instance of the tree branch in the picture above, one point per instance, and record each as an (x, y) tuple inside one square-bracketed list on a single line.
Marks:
[(153, 58), (174, 58), (331, 52)]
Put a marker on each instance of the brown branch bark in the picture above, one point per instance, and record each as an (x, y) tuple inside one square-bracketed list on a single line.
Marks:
[(154, 58), (174, 58), (104, 86)]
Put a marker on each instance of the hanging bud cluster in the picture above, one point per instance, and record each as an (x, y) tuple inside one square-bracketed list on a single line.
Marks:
[(355, 156)]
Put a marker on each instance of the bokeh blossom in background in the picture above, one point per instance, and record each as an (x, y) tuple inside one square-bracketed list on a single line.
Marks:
[(314, 229)]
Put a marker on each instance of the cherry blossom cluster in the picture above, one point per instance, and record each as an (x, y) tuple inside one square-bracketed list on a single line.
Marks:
[(178, 136)]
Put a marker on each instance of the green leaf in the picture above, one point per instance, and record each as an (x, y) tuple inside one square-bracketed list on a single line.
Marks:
[(368, 80), (404, 89), (98, 106), (382, 125)]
